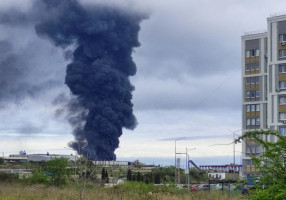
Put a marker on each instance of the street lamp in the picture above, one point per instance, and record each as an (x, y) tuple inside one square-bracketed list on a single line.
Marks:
[(234, 143), (187, 156), (187, 165), (176, 156)]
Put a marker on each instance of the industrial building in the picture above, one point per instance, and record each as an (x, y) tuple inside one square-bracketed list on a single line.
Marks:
[(263, 86), (23, 157)]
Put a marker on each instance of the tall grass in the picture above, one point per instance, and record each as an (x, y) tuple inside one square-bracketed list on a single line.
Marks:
[(127, 191)]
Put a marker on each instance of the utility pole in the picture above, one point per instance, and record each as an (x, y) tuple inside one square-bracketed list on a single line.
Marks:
[(188, 166), (176, 157), (234, 148), (234, 143), (179, 166)]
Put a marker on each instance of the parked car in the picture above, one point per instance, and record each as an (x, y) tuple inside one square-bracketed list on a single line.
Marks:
[(215, 186), (194, 187), (204, 187)]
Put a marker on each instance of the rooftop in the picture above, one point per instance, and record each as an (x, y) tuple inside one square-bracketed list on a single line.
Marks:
[(257, 32)]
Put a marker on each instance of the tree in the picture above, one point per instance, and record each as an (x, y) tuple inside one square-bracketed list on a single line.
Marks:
[(103, 175), (157, 178), (129, 175), (133, 178), (197, 176), (57, 169), (166, 173), (106, 177), (270, 164), (138, 177), (1, 161)]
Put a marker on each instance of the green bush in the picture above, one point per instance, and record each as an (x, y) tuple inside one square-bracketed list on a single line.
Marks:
[(271, 165), (37, 178), (57, 170), (143, 189), (4, 177)]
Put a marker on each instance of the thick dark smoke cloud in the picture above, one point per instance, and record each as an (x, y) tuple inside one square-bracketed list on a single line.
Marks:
[(99, 73)]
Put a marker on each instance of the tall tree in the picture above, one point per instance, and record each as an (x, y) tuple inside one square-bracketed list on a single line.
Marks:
[(103, 175), (157, 178), (129, 175), (138, 176), (270, 164), (1, 161), (106, 176), (57, 169)]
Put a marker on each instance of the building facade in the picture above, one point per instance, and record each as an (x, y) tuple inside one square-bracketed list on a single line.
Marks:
[(263, 86)]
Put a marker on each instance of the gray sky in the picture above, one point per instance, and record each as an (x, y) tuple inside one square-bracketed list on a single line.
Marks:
[(187, 83)]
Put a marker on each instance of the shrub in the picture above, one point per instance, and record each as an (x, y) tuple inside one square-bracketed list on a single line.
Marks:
[(57, 170), (4, 177), (1, 161), (37, 178)]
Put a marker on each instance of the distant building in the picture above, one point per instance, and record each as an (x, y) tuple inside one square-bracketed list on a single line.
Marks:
[(263, 66), (47, 157), (23, 157), (112, 163), (217, 175), (222, 168)]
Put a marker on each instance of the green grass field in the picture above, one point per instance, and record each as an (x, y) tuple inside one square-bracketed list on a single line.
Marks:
[(127, 191)]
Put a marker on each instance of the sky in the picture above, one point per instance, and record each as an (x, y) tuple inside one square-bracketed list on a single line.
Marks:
[(188, 81)]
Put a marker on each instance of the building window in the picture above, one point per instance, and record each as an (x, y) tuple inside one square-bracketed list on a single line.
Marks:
[(253, 66), (247, 67), (252, 53), (252, 80), (282, 116), (247, 54), (253, 121), (256, 66), (282, 131), (257, 93), (282, 100), (247, 122), (252, 94), (257, 121), (282, 37), (257, 108), (282, 68), (252, 108), (282, 84), (282, 53), (257, 52)]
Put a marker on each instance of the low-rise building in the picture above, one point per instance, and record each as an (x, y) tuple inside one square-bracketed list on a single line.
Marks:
[(222, 168)]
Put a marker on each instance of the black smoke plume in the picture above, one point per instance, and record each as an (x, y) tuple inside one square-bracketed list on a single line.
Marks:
[(98, 75)]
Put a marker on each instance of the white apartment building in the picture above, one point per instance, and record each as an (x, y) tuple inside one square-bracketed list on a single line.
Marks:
[(264, 85)]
